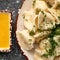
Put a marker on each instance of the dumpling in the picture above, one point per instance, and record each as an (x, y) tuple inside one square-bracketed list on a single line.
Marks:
[(43, 46), (26, 41), (55, 14), (41, 35), (45, 21), (30, 20), (40, 5)]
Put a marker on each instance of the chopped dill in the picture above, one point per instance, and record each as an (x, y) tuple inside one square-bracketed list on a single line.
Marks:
[(34, 2), (32, 33)]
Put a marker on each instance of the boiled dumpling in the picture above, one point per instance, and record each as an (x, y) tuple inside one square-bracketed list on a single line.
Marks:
[(41, 35), (26, 41), (40, 5), (42, 49), (55, 15), (45, 21), (30, 20), (43, 46)]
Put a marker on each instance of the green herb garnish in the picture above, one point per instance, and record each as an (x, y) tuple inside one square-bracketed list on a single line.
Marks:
[(58, 6), (44, 17), (53, 46), (52, 42), (38, 30), (23, 16), (59, 17), (45, 55), (30, 39), (37, 11), (34, 26), (32, 33), (42, 12), (26, 19), (34, 2), (55, 31)]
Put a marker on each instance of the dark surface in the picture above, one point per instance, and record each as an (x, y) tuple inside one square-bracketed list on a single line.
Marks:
[(16, 53)]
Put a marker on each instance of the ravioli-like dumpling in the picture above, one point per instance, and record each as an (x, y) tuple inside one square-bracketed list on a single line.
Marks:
[(40, 5), (45, 21), (26, 41), (42, 49), (30, 20), (44, 45), (41, 35), (55, 15)]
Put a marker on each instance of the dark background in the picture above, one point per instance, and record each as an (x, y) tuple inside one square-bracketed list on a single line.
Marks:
[(12, 6)]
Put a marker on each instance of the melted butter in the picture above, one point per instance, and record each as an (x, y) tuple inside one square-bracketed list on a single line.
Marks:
[(4, 30)]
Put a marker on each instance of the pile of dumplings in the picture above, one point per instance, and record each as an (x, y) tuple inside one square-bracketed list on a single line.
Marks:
[(39, 23)]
